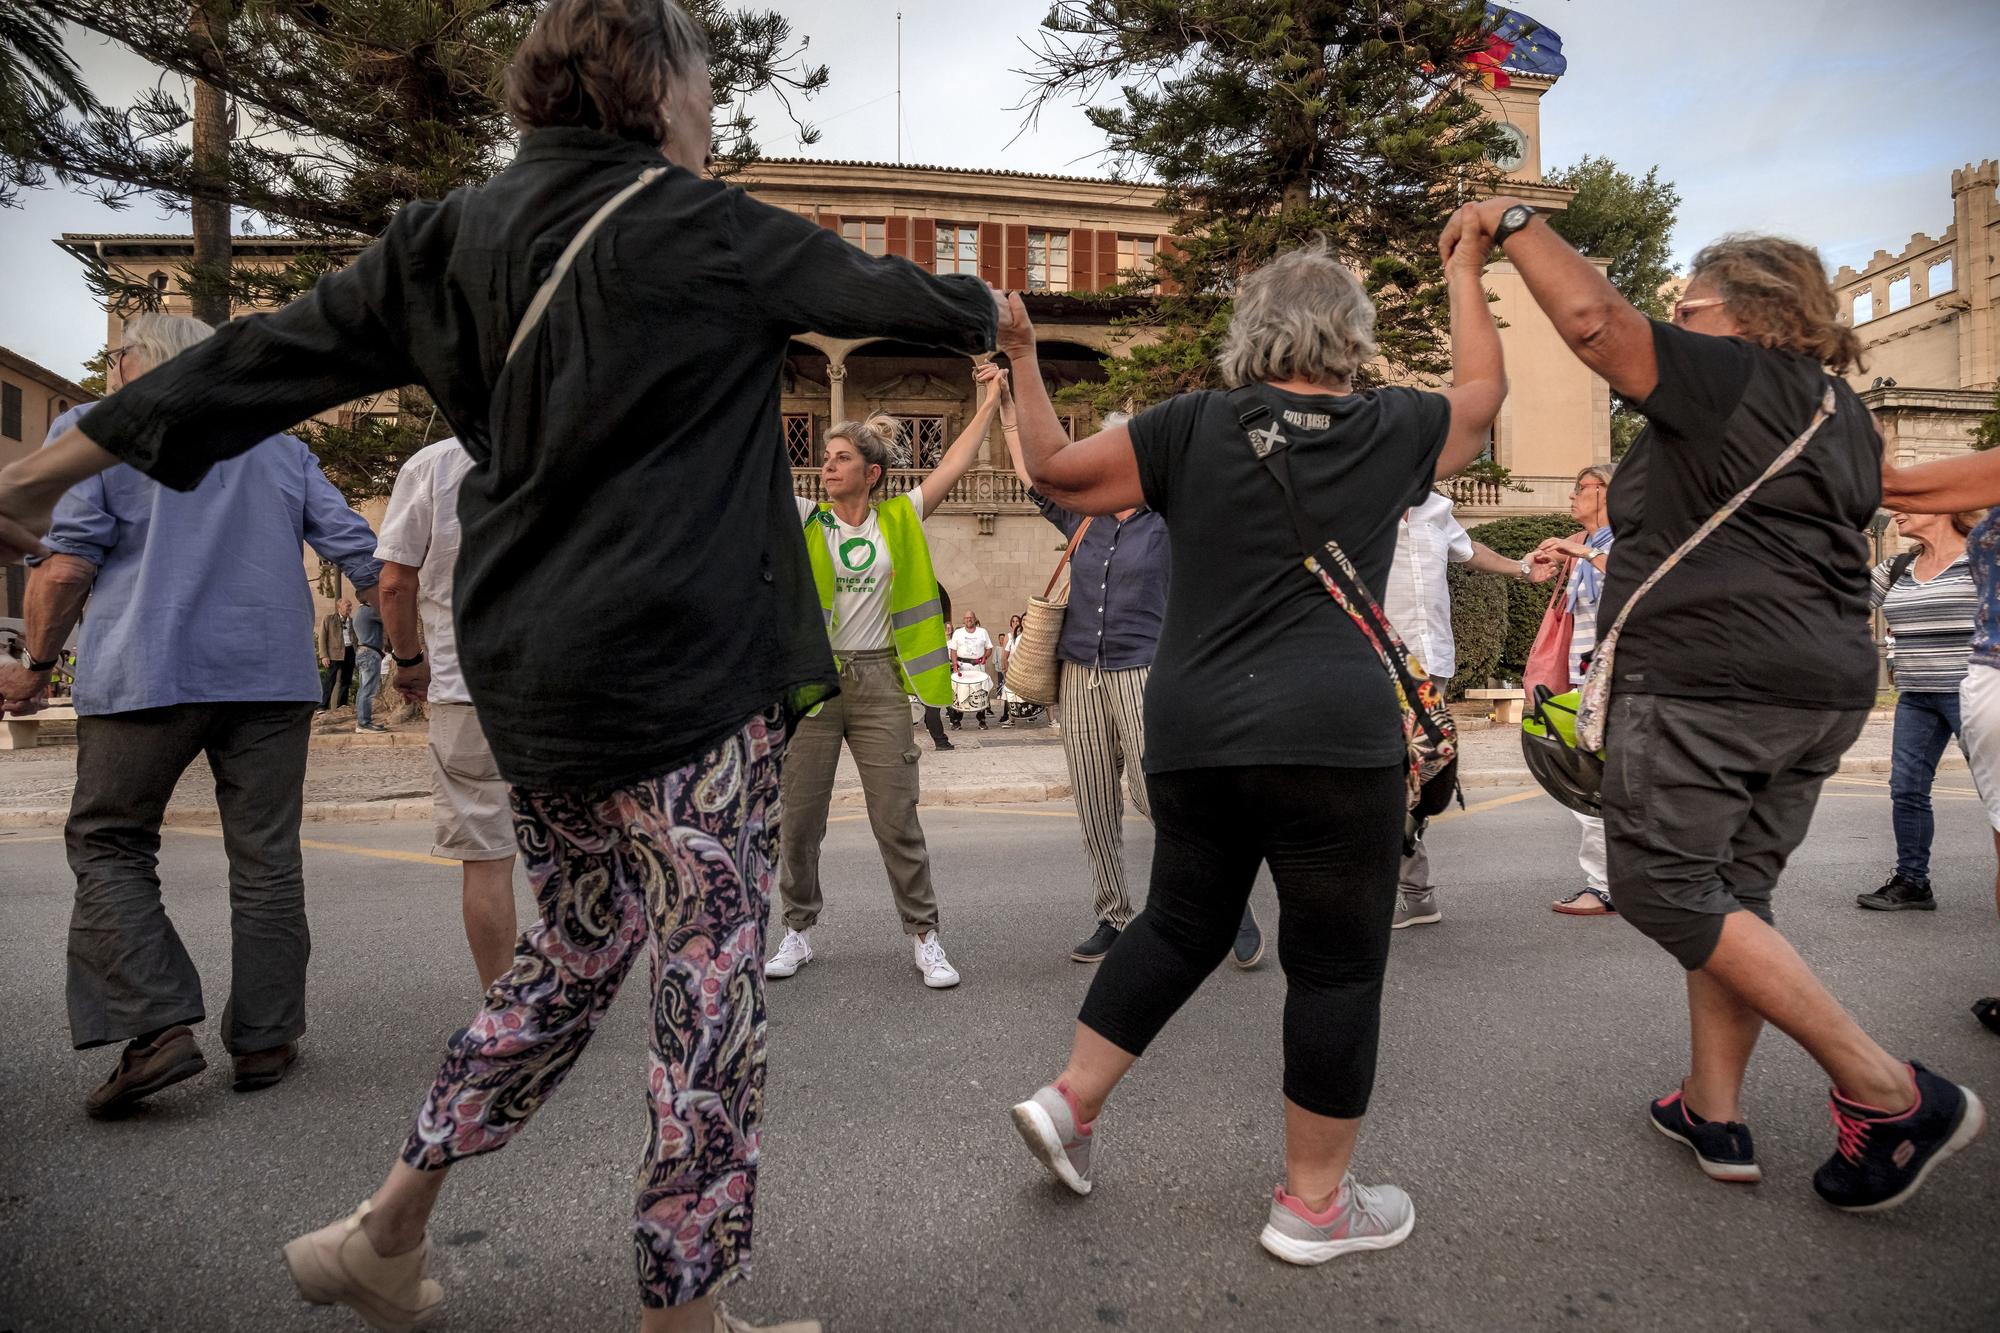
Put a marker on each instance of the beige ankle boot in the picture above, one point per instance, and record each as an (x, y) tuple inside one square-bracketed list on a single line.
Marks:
[(726, 1322), (338, 1264)]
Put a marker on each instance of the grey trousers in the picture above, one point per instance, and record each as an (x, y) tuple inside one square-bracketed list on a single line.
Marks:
[(872, 714), (129, 974)]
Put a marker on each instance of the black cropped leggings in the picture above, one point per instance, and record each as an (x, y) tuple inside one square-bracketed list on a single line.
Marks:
[(1334, 840)]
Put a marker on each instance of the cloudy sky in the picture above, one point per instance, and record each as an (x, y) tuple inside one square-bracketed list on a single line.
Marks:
[(1835, 121)]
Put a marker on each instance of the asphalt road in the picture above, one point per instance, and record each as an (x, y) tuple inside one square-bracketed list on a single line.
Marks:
[(1519, 1051)]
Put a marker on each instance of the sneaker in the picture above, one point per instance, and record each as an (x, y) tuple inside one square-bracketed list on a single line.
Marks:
[(370, 727), (938, 972), (338, 1265), (1416, 909), (1249, 948), (1047, 1123), (1361, 1217), (1722, 1149), (1900, 894), (944, 745), (1099, 944), (263, 1069), (794, 953), (145, 1069), (1883, 1158)]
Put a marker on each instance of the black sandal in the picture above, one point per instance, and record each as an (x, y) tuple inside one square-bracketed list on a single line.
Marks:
[(1988, 1012)]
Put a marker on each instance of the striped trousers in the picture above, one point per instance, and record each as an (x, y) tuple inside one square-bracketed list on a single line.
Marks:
[(1104, 733)]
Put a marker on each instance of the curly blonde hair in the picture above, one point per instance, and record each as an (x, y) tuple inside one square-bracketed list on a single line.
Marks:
[(1777, 292)]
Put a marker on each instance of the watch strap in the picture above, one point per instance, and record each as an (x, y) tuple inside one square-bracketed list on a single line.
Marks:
[(35, 664), (408, 661)]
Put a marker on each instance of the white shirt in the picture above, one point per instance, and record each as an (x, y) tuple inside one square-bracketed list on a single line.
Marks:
[(863, 572), (973, 645), (421, 529), (1417, 598)]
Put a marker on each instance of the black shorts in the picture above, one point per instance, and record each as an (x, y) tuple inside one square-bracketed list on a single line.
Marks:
[(1704, 800)]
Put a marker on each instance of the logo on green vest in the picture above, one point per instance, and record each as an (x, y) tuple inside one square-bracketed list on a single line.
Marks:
[(857, 553)]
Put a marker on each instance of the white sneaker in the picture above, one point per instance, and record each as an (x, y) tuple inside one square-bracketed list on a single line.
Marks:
[(938, 972), (793, 954)]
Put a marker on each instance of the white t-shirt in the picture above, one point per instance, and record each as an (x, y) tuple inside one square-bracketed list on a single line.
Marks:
[(971, 645), (863, 572), (421, 529)]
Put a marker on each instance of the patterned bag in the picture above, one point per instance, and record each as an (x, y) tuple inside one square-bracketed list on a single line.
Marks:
[(1430, 737), (1594, 696)]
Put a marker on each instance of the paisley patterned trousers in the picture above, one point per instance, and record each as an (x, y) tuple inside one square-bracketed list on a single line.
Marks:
[(678, 865)]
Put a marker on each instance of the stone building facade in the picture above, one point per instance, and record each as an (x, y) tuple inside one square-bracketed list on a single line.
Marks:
[(1062, 240), (31, 397), (1929, 318)]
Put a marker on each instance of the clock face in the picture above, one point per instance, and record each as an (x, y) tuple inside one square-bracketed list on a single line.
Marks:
[(1513, 150)]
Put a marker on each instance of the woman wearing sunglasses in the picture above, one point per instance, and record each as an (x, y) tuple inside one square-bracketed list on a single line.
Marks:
[(1744, 677)]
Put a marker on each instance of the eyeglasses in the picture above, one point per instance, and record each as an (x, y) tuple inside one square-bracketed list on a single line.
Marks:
[(1682, 307), (1582, 490), (111, 354)]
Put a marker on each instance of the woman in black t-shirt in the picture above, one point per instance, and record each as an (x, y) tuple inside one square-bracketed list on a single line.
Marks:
[(1273, 732), (1721, 730)]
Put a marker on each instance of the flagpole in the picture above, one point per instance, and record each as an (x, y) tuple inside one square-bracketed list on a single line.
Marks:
[(899, 87)]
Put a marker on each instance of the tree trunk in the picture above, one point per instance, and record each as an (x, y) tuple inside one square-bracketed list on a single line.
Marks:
[(208, 277)]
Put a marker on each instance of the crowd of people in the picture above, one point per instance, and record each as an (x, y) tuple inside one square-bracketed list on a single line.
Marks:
[(639, 646)]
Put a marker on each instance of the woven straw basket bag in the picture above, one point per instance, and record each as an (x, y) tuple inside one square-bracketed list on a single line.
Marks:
[(1033, 674)]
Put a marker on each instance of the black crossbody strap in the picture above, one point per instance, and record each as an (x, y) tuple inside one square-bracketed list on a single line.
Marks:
[(1259, 423)]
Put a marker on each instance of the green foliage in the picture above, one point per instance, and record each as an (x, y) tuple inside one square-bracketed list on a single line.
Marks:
[(94, 372), (362, 458), (1526, 602), (39, 80), (1625, 219), (1478, 626), (1625, 427), (1987, 433), (1269, 125)]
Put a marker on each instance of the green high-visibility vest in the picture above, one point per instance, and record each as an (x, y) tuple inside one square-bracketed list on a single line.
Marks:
[(916, 611)]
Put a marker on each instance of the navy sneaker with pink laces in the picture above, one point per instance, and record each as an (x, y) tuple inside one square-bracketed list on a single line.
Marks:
[(1049, 1125), (1722, 1148), (1885, 1156)]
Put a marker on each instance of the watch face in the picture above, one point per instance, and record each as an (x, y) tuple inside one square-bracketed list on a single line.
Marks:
[(1513, 150)]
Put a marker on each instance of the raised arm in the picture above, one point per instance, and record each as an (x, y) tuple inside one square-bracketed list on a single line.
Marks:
[(1606, 331), (805, 279), (1947, 486), (965, 448), (1478, 374), (1098, 475)]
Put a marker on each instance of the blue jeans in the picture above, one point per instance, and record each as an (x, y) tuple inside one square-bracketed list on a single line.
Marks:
[(1924, 722), (369, 664)]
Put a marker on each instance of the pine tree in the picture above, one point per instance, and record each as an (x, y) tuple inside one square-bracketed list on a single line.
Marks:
[(1270, 122), (39, 80)]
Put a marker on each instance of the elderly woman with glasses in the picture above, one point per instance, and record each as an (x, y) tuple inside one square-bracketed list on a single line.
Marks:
[(1241, 765), (1587, 553), (1745, 674)]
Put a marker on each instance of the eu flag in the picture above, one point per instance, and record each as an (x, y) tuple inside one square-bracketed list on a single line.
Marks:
[(1536, 48)]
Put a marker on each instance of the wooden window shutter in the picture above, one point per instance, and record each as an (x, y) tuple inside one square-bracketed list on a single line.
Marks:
[(923, 243), (1082, 260), (1014, 272), (831, 221), (896, 236), (1166, 249), (990, 266), (1107, 259)]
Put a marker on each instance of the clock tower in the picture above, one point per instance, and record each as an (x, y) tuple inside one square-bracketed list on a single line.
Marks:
[(1517, 109)]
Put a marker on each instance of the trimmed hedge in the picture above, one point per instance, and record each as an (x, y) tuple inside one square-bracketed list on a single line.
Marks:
[(1478, 625)]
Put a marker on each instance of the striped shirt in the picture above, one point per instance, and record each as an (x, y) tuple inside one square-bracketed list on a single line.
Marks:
[(1930, 625), (1585, 591)]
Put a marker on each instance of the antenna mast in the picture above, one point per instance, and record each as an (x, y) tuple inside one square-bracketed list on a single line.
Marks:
[(899, 86)]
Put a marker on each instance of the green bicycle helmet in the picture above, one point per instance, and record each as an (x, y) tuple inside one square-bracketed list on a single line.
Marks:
[(1548, 742)]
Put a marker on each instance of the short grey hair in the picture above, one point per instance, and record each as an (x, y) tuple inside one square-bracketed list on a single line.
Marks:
[(1112, 420), (1601, 471), (1303, 316), (161, 338)]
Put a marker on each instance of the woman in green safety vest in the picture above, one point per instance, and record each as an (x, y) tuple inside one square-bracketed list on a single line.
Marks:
[(880, 602)]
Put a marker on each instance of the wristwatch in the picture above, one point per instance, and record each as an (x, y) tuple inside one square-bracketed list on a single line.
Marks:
[(1512, 221), (1527, 568), (36, 665), (408, 661)]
